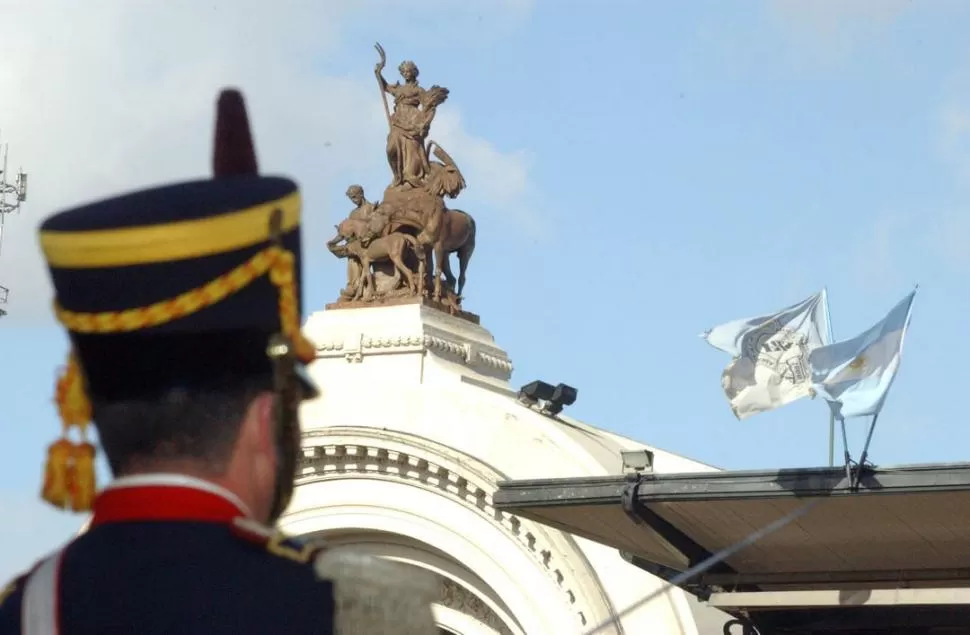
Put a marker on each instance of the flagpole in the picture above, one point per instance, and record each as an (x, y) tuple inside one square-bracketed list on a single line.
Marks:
[(831, 439), (828, 321), (865, 448), (845, 451)]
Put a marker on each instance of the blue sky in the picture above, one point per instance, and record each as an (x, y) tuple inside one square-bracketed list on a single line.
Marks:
[(639, 172)]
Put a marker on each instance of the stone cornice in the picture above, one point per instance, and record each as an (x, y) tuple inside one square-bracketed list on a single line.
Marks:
[(450, 346), (323, 460)]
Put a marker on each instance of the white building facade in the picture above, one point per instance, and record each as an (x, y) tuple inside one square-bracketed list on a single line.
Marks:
[(401, 455)]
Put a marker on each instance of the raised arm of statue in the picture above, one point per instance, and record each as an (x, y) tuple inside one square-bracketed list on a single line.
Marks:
[(379, 72), (386, 87)]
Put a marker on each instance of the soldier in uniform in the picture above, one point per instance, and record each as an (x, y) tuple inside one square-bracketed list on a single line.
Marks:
[(183, 305)]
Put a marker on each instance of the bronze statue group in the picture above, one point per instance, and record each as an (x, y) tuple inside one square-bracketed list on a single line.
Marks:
[(400, 247)]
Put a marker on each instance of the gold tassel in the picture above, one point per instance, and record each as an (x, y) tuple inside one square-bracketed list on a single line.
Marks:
[(70, 476), (57, 473), (83, 480), (72, 401)]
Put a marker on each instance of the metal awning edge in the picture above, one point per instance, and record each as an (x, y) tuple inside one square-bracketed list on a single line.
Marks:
[(555, 492), (822, 598), (786, 483)]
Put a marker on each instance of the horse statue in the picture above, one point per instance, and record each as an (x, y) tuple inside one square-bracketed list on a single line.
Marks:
[(457, 237), (387, 247), (440, 230)]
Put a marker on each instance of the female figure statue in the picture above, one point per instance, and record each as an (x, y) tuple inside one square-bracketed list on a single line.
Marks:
[(414, 110)]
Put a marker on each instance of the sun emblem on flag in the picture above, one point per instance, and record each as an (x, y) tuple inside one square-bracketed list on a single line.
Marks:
[(858, 363)]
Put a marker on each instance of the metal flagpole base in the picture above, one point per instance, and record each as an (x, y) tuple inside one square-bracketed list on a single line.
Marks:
[(863, 459), (847, 458)]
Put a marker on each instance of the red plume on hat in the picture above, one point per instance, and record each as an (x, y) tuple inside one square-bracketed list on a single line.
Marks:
[(233, 153)]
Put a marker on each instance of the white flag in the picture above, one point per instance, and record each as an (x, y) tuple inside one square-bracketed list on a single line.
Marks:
[(770, 366)]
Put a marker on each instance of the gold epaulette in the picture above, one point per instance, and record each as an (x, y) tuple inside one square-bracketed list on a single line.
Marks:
[(277, 543)]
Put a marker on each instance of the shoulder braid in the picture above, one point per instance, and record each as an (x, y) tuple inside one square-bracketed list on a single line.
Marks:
[(298, 550)]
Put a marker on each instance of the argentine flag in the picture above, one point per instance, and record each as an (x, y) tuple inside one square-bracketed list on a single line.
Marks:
[(855, 375)]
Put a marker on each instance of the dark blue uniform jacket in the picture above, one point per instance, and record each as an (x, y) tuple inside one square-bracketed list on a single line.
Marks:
[(181, 576)]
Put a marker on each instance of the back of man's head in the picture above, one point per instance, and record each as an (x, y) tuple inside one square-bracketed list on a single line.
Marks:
[(187, 427)]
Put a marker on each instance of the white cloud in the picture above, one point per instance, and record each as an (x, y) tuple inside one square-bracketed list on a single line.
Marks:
[(499, 179), (831, 30), (107, 96)]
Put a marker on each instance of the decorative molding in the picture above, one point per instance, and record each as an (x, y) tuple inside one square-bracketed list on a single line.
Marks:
[(457, 597), (323, 461), (442, 343)]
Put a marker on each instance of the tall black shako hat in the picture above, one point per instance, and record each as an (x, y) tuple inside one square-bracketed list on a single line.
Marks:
[(176, 286)]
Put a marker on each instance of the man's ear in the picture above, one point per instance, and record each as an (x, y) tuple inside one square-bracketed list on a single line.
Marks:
[(258, 429)]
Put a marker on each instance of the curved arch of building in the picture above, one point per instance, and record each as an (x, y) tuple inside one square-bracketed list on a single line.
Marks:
[(367, 482)]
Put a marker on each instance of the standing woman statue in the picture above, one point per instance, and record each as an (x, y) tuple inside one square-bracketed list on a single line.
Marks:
[(414, 110)]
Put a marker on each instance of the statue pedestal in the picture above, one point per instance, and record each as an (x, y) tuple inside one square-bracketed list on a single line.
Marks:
[(424, 301), (404, 341)]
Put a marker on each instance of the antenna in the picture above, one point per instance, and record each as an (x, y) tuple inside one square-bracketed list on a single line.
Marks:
[(11, 196)]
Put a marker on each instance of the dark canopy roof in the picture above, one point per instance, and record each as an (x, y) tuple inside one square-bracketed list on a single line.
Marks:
[(901, 527)]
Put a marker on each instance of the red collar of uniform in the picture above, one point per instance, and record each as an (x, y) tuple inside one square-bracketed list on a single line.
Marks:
[(160, 498)]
